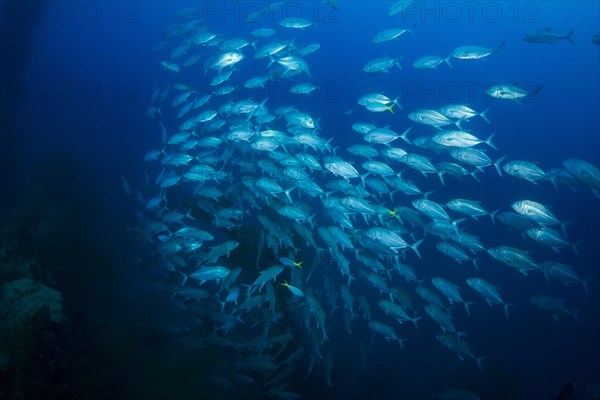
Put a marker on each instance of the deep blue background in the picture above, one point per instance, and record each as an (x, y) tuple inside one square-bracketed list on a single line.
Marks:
[(108, 138)]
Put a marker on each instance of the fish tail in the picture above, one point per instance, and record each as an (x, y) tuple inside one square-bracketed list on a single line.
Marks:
[(500, 47), (185, 278), (506, 307), (414, 321), (396, 101), (391, 193), (287, 193), (455, 224), (554, 183), (488, 141), (493, 215), (447, 60), (390, 108), (585, 283), (467, 304), (415, 247), (412, 27), (575, 248), (404, 135), (568, 36), (350, 279), (397, 62), (441, 176), (576, 314), (401, 341), (483, 115), (478, 360), (312, 227), (497, 165), (329, 147), (536, 91), (563, 227), (363, 178)]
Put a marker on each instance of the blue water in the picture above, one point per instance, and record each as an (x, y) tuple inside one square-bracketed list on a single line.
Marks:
[(107, 59)]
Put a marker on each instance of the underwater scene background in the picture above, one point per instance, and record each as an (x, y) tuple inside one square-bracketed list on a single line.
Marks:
[(249, 200)]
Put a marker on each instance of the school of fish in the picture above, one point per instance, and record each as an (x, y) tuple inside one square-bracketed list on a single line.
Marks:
[(274, 236)]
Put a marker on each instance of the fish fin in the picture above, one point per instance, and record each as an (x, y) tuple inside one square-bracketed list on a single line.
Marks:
[(563, 227), (455, 225), (500, 47), (287, 194), (412, 27), (414, 321), (312, 225), (585, 282), (401, 341), (478, 360), (415, 247), (546, 275), (554, 183), (506, 307), (556, 317), (483, 115), (459, 121), (568, 36), (397, 62), (536, 91), (363, 178), (447, 60), (396, 99), (474, 261), (185, 278), (390, 108), (493, 215), (441, 176), (497, 164), (576, 314), (404, 135), (467, 304), (488, 141), (574, 246)]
